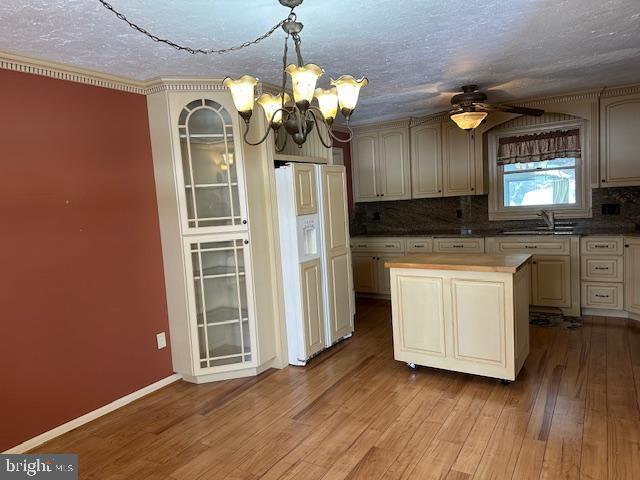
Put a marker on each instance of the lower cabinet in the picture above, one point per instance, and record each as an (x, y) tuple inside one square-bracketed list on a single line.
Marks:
[(632, 275), (551, 281), (370, 274)]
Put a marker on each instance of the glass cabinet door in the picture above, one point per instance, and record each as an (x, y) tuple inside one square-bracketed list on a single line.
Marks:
[(212, 183), (222, 310)]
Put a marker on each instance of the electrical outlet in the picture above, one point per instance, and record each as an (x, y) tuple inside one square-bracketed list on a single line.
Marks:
[(161, 340)]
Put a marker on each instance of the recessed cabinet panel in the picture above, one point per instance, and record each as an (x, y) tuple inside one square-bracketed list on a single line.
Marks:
[(364, 273), (479, 321), (365, 161), (602, 269), (422, 320), (311, 287), (305, 185), (602, 295), (340, 291), (551, 281), (335, 209), (458, 161), (426, 161), (620, 141), (394, 165)]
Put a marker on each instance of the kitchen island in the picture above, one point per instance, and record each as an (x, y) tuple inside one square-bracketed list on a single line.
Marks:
[(463, 312)]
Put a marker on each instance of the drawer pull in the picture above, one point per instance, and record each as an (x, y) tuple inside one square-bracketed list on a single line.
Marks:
[(458, 246), (601, 268), (601, 296), (362, 245), (531, 246), (601, 246), (389, 246)]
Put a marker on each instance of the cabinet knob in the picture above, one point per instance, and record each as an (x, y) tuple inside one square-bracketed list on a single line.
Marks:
[(626, 246), (382, 194), (246, 242), (244, 222), (472, 189), (604, 181)]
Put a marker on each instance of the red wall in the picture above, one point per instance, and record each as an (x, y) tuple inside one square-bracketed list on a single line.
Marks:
[(81, 281)]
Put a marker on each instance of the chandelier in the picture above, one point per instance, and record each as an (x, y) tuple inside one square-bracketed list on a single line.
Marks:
[(300, 115)]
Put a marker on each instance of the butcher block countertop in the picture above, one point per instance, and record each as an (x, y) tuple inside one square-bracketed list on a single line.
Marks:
[(468, 262)]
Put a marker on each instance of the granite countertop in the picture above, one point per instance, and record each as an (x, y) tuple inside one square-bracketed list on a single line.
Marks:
[(468, 262), (500, 233)]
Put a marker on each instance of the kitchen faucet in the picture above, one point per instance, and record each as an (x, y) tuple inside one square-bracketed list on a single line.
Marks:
[(548, 218)]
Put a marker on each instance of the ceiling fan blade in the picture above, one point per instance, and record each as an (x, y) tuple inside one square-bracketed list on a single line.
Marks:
[(534, 112)]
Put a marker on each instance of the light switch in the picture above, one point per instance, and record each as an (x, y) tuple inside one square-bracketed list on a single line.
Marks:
[(161, 340)]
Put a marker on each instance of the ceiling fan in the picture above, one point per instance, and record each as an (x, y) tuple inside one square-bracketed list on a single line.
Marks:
[(470, 109)]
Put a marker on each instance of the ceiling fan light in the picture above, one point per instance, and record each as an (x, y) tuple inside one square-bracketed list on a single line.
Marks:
[(468, 120), (348, 92), (272, 106), (327, 102), (304, 81), (242, 92)]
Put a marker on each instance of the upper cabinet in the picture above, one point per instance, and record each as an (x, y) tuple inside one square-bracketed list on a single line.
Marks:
[(620, 141), (426, 160), (210, 169), (443, 161), (381, 166)]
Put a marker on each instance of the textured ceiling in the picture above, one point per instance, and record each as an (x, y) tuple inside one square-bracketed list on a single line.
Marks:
[(414, 52)]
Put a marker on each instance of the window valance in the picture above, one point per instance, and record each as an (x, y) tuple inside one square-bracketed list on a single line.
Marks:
[(539, 147)]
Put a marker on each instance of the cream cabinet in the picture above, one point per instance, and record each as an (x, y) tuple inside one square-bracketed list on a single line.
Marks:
[(426, 160), (304, 184), (632, 275), (602, 272), (551, 281), (220, 325), (364, 272), (620, 141), (443, 161), (458, 170), (555, 268), (458, 245), (381, 166), (312, 307)]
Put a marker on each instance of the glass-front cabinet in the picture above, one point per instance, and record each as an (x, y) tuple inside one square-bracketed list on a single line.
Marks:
[(219, 293), (211, 173), (215, 238)]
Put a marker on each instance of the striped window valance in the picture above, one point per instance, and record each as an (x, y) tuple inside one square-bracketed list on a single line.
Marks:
[(539, 147)]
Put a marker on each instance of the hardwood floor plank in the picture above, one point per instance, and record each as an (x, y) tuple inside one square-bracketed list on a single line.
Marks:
[(355, 413)]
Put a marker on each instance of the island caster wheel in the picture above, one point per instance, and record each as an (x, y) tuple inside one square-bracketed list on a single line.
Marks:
[(412, 366), (505, 382)]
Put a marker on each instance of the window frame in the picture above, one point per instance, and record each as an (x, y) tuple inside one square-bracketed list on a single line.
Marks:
[(581, 209)]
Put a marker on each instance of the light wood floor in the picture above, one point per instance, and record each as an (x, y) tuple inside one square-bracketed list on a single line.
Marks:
[(356, 413)]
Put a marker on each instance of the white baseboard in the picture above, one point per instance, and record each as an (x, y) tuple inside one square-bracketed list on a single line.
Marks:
[(88, 417), (601, 312)]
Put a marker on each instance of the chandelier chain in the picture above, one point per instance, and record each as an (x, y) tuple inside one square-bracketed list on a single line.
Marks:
[(191, 50)]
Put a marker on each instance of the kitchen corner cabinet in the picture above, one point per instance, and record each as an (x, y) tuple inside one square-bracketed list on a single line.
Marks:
[(381, 165), (619, 141), (443, 161), (206, 237), (632, 275)]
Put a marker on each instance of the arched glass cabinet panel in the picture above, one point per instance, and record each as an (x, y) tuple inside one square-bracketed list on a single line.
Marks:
[(210, 169)]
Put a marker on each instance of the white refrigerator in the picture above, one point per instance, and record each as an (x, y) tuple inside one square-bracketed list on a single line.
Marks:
[(316, 257)]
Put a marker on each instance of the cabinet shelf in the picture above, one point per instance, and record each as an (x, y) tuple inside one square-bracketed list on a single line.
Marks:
[(212, 185), (222, 316)]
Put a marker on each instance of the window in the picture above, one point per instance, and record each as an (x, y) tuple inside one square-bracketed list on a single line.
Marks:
[(550, 182), (539, 168)]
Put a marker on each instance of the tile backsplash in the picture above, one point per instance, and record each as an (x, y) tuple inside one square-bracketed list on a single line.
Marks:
[(470, 215)]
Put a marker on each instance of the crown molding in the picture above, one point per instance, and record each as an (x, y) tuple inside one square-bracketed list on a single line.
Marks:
[(388, 124), (69, 73), (434, 117)]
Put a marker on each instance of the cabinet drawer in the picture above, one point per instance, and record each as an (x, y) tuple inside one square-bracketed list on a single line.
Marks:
[(419, 245), (601, 245), (468, 245), (601, 268), (377, 244), (533, 246), (602, 295)]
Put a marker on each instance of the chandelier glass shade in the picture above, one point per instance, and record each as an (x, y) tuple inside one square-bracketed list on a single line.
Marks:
[(310, 106)]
